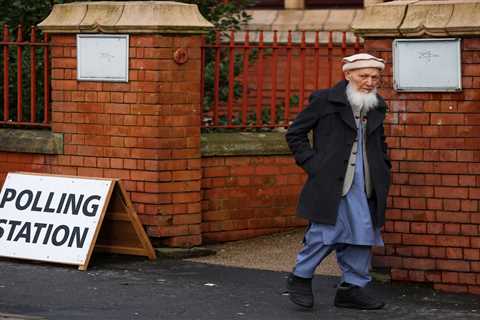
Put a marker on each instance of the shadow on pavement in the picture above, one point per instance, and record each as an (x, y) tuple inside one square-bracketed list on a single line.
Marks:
[(122, 287)]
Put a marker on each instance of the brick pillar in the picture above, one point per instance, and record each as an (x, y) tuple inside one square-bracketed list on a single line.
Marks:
[(145, 132), (432, 229), (432, 233)]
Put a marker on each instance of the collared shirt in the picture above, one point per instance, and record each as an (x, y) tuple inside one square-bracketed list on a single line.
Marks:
[(361, 122), (354, 222)]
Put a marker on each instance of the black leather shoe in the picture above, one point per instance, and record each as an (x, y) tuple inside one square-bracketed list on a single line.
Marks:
[(300, 290), (356, 298)]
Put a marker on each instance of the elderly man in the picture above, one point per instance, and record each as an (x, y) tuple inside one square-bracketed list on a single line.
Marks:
[(345, 195)]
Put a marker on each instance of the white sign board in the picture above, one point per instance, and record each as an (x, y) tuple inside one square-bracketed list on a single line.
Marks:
[(427, 65), (102, 57), (51, 218)]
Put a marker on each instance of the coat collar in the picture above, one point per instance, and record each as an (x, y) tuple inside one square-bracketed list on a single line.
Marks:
[(376, 116), (337, 95)]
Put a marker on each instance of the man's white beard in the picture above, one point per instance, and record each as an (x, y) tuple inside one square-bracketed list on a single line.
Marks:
[(363, 101)]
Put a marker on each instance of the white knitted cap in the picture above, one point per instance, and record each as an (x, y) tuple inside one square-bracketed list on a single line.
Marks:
[(362, 60)]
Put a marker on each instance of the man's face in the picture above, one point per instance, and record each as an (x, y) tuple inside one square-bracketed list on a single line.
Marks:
[(363, 80)]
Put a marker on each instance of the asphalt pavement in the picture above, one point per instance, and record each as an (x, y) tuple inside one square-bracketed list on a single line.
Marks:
[(125, 287)]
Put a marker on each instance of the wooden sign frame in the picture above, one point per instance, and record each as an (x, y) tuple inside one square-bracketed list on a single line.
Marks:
[(121, 217), (118, 229)]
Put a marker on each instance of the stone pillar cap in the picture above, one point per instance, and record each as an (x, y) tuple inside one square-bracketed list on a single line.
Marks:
[(125, 17), (416, 18)]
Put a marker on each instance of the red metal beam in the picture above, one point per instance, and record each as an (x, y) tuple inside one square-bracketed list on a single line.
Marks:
[(302, 71), (329, 57), (258, 108), (231, 78), (273, 101), (288, 78), (19, 75), (46, 87), (6, 102), (246, 53), (33, 77), (216, 85)]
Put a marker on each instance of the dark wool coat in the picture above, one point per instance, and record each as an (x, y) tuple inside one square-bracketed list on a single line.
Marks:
[(330, 117)]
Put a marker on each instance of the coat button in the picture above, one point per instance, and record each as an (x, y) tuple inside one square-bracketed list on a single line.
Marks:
[(352, 164)]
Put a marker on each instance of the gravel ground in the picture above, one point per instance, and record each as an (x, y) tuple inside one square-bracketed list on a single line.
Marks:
[(275, 252)]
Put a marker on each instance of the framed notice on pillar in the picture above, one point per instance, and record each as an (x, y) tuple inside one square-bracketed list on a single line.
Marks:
[(62, 219), (427, 65), (102, 57)]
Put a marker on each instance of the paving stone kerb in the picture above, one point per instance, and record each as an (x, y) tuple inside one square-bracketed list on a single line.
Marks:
[(432, 232)]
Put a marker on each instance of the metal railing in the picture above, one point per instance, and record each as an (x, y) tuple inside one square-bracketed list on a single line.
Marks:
[(266, 82), (25, 84)]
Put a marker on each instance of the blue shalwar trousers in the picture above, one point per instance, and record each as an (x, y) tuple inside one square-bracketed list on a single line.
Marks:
[(351, 237), (353, 260)]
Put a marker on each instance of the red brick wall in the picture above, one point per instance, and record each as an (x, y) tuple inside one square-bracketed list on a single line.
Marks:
[(145, 132), (11, 161), (432, 231), (247, 196)]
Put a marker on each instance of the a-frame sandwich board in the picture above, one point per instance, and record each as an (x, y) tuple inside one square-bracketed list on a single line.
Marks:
[(61, 219), (121, 231)]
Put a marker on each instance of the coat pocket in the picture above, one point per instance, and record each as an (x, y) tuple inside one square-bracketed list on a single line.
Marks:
[(312, 165)]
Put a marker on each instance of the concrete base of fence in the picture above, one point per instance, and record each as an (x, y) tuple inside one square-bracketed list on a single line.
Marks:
[(31, 141), (244, 143)]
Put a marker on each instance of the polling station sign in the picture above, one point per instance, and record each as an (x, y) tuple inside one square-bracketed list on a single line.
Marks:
[(51, 218)]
